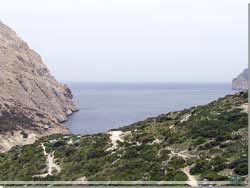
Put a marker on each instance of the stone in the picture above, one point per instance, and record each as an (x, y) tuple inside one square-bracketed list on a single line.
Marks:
[(241, 82), (29, 90)]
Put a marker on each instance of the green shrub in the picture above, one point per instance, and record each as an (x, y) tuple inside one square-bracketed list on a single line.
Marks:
[(212, 176), (201, 166), (241, 169), (199, 141)]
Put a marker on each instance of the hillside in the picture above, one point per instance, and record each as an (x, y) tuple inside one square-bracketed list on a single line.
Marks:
[(205, 142), (32, 102)]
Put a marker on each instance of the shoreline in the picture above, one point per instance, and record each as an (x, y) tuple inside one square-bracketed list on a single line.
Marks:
[(148, 118), (174, 151), (109, 107)]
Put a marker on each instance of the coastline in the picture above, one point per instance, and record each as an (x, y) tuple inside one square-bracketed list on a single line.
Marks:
[(153, 141), (106, 106)]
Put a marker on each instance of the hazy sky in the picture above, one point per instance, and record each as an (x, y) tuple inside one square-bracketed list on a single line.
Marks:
[(134, 40)]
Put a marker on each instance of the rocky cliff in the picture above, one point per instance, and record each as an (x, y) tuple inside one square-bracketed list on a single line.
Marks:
[(241, 82), (32, 102)]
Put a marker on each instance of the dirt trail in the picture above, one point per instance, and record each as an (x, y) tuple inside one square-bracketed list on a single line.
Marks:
[(191, 179), (186, 118), (51, 165), (115, 136), (245, 107)]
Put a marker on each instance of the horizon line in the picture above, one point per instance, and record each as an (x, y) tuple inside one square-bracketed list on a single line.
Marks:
[(139, 82)]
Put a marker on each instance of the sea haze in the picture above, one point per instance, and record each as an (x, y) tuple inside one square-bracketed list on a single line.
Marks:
[(105, 106)]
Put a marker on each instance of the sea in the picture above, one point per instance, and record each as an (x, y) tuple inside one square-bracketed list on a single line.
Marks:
[(106, 106)]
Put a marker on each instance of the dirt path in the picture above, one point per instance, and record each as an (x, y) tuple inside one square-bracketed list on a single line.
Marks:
[(51, 165), (186, 117), (115, 136), (183, 154), (191, 179), (245, 107)]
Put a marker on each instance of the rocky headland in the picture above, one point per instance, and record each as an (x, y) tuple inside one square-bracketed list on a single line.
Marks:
[(32, 102), (241, 81)]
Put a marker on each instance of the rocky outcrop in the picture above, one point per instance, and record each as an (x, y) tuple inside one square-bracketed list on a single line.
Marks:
[(31, 100), (241, 82)]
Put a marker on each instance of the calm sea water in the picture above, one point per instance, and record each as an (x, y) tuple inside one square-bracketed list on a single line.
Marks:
[(107, 106)]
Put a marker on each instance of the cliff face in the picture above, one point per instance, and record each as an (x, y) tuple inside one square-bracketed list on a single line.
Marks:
[(241, 82), (32, 102)]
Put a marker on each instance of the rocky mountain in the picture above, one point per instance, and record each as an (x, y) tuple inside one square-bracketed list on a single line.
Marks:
[(32, 102), (241, 82), (207, 142)]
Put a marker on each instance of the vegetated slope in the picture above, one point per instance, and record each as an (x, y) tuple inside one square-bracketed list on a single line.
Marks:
[(205, 142), (32, 102)]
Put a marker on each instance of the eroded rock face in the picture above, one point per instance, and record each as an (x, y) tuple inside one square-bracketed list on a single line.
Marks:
[(28, 91), (241, 82)]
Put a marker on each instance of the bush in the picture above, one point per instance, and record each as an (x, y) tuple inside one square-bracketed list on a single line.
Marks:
[(164, 155), (156, 173), (241, 169), (96, 154), (180, 176), (177, 162), (58, 144), (130, 153), (146, 139), (218, 163), (200, 167), (212, 176), (237, 162), (149, 156), (199, 141), (173, 175)]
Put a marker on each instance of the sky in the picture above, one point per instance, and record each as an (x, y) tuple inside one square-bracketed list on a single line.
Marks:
[(134, 40)]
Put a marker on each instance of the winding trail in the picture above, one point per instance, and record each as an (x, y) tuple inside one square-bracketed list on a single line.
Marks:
[(191, 179), (51, 165)]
